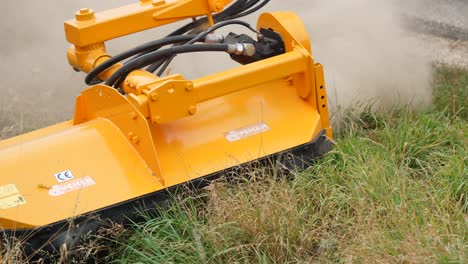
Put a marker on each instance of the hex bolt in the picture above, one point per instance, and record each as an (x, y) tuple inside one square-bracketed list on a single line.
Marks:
[(135, 140), (192, 109), (156, 119), (132, 85), (133, 115), (154, 97), (84, 14), (218, 5), (189, 87)]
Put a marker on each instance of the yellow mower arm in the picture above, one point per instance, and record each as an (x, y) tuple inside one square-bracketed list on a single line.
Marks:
[(89, 28)]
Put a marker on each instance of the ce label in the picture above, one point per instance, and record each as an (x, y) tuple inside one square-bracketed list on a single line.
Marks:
[(64, 176)]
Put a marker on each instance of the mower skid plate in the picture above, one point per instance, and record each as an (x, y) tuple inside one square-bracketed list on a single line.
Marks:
[(50, 238)]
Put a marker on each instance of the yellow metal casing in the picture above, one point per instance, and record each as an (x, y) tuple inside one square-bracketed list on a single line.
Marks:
[(165, 132)]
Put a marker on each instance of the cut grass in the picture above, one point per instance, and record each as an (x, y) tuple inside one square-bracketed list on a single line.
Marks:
[(393, 190)]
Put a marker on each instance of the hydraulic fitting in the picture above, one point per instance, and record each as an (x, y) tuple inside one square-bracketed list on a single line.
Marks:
[(244, 49)]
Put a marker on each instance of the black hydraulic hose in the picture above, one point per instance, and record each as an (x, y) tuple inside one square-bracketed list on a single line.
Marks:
[(205, 33), (235, 10), (166, 64), (237, 7), (153, 67), (228, 13), (246, 13), (201, 36), (149, 69), (92, 78), (149, 58), (245, 7)]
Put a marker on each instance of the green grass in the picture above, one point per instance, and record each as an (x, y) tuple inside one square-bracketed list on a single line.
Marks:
[(451, 93), (394, 190)]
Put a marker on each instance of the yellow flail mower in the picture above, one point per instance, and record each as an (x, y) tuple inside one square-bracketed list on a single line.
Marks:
[(136, 135)]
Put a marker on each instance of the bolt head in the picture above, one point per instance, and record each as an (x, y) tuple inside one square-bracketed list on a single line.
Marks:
[(84, 14), (156, 119), (218, 5), (131, 84), (154, 97), (192, 109), (189, 87)]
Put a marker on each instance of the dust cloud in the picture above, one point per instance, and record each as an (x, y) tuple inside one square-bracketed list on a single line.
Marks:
[(369, 57), (367, 54)]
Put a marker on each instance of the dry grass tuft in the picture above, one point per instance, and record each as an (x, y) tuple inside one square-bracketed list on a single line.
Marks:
[(393, 190)]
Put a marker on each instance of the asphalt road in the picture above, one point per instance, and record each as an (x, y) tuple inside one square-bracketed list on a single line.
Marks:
[(445, 18)]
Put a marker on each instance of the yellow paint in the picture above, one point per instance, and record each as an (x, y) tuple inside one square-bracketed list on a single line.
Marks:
[(165, 131), (89, 28), (10, 197)]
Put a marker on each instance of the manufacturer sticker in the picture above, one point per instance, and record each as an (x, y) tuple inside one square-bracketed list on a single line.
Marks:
[(64, 176), (72, 185), (10, 197), (245, 132)]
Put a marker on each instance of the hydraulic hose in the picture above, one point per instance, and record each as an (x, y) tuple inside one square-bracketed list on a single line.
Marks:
[(248, 12), (203, 34), (153, 67), (199, 37), (151, 57), (92, 79), (237, 7)]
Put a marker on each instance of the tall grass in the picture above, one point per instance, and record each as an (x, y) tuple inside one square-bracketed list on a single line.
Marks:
[(393, 190), (451, 91)]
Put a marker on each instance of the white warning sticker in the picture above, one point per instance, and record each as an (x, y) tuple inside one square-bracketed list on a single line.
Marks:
[(10, 197), (64, 176), (72, 185), (245, 132)]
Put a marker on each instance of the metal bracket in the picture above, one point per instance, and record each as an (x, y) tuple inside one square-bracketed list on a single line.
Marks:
[(101, 101), (172, 100)]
